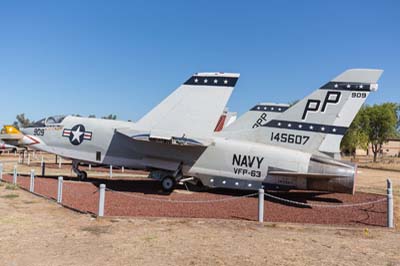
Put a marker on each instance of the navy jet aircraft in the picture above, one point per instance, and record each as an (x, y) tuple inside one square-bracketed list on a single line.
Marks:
[(272, 146)]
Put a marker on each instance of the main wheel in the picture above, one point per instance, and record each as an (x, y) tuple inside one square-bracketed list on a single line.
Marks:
[(82, 176), (168, 184)]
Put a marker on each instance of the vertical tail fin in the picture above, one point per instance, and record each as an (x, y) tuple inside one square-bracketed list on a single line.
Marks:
[(193, 109), (257, 116), (318, 122)]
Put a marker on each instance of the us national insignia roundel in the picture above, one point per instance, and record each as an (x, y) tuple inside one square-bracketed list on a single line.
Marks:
[(77, 134)]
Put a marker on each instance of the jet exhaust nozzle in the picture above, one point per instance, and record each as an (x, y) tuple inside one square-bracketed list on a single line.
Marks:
[(332, 175)]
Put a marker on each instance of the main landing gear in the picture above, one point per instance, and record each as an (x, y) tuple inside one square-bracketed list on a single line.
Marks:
[(168, 181), (168, 184), (82, 175)]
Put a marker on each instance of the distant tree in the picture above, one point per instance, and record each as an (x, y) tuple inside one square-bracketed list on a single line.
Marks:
[(398, 119), (381, 125), (77, 115), (110, 117), (357, 135), (15, 124), (92, 116), (22, 121)]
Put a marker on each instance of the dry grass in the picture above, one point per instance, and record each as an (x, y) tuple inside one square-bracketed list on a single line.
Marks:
[(385, 163), (11, 187), (9, 196)]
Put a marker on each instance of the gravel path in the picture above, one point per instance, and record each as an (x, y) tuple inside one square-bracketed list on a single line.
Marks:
[(143, 197)]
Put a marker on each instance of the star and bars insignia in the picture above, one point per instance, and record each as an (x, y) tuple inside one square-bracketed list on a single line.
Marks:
[(77, 134)]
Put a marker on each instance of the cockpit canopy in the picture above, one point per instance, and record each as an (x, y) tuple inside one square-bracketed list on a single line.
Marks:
[(51, 120)]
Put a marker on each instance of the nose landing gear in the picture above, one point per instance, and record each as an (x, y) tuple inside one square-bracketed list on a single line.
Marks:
[(82, 175)]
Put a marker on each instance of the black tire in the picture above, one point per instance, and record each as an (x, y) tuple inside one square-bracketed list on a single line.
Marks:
[(168, 184), (82, 176)]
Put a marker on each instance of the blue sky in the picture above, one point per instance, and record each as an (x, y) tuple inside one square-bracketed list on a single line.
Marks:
[(123, 57)]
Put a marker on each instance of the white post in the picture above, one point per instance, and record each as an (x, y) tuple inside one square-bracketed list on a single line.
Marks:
[(15, 153), (41, 162), (19, 158), (59, 162), (110, 171), (29, 158), (59, 191), (123, 169), (261, 205), (1, 171), (90, 167), (102, 196), (15, 175), (390, 223), (32, 181)]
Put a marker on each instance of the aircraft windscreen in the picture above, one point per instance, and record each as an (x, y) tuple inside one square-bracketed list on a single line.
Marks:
[(57, 119), (51, 120), (39, 123)]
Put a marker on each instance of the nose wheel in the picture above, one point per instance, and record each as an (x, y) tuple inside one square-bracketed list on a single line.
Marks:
[(168, 184), (82, 175)]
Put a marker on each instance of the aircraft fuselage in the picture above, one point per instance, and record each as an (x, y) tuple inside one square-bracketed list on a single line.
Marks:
[(225, 162)]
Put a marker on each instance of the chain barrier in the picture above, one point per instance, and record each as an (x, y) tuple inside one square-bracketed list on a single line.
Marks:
[(184, 201), (251, 195), (324, 205)]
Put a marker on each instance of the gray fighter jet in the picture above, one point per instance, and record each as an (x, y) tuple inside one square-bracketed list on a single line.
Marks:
[(273, 146)]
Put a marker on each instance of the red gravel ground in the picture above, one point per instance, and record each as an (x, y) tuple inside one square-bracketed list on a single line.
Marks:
[(145, 198)]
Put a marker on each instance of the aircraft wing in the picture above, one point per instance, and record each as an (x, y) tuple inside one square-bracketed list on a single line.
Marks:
[(192, 110), (156, 153)]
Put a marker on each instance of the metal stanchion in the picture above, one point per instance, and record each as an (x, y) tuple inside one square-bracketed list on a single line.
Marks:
[(390, 223), (59, 163), (261, 205), (102, 196), (29, 159), (123, 169), (32, 181), (111, 171), (43, 169), (60, 188), (90, 167), (15, 175), (41, 162)]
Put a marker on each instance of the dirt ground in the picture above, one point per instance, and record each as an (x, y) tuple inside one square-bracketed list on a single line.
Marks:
[(36, 231)]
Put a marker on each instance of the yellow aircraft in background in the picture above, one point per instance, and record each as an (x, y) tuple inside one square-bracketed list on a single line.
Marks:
[(10, 135)]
